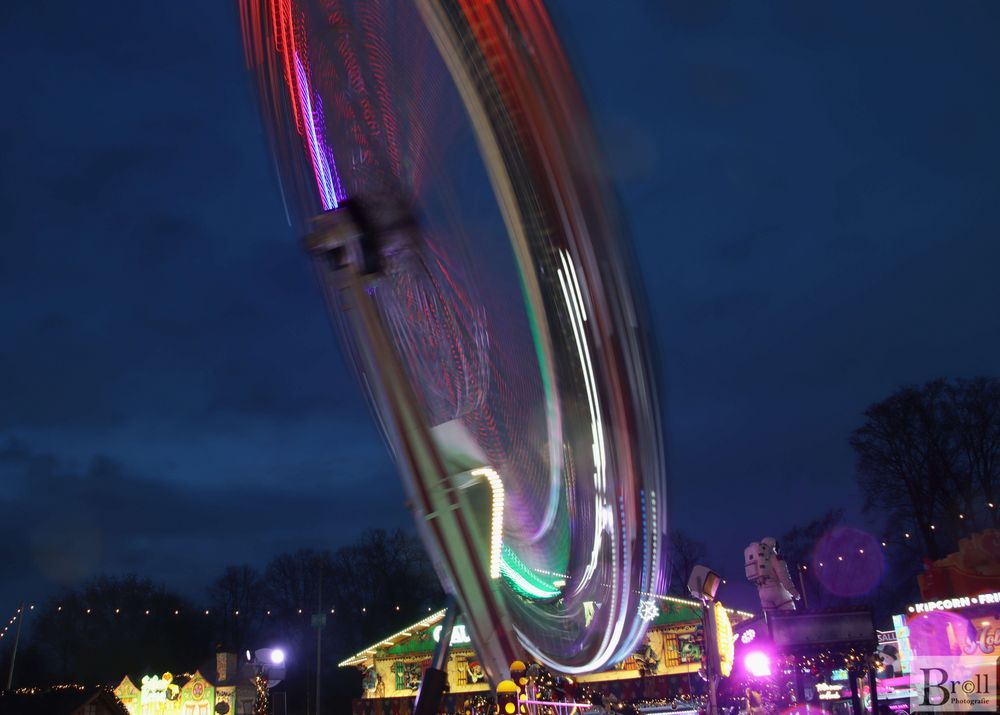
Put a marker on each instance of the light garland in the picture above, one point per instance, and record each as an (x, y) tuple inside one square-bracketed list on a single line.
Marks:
[(553, 695), (832, 659), (261, 701), (117, 611), (515, 571), (690, 603), (64, 687), (13, 619), (362, 656)]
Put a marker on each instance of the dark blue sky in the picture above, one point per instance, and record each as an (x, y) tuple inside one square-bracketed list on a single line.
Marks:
[(813, 192)]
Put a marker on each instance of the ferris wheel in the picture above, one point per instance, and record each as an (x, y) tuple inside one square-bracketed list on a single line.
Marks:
[(439, 157)]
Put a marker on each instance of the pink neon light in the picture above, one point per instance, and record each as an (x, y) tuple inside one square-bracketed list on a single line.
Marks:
[(758, 664)]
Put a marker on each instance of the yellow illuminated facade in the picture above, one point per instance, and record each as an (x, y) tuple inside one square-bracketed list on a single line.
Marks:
[(167, 694)]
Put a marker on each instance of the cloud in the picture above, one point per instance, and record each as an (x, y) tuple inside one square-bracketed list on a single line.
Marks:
[(814, 218), (66, 521)]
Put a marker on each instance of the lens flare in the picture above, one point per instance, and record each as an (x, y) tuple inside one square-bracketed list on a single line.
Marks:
[(941, 633), (848, 562), (758, 664)]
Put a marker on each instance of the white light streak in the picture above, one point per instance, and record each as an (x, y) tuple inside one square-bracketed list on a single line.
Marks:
[(496, 524)]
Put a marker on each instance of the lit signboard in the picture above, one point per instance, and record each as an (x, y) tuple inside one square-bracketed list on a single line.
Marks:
[(828, 691), (951, 604), (724, 638), (459, 636), (903, 643)]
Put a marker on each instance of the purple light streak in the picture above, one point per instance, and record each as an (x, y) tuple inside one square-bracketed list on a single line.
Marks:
[(327, 179)]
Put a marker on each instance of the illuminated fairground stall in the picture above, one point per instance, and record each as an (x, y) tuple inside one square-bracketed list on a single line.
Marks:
[(663, 670), (837, 661), (959, 615), (227, 690), (168, 694), (805, 659)]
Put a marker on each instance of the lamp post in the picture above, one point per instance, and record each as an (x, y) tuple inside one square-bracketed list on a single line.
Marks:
[(702, 585), (802, 586), (17, 639), (318, 621)]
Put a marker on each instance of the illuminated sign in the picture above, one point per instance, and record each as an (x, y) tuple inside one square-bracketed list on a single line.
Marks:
[(890, 693), (903, 642), (950, 604), (828, 691), (458, 635), (987, 638), (839, 674)]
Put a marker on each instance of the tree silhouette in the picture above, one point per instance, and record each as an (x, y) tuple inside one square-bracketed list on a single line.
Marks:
[(797, 546), (929, 461), (685, 553), (366, 590), (116, 626), (237, 604), (111, 626)]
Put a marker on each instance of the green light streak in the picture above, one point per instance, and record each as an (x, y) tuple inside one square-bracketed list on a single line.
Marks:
[(523, 579)]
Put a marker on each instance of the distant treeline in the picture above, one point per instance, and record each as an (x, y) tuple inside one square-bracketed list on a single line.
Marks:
[(117, 625)]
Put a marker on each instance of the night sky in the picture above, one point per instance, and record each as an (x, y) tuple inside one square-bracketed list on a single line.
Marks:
[(813, 193)]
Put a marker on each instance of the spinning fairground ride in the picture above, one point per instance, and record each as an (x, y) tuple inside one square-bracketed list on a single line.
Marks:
[(439, 158)]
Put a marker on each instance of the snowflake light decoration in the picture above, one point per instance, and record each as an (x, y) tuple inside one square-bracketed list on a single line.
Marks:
[(648, 610)]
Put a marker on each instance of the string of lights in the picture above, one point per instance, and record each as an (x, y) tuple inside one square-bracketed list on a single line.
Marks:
[(688, 602), (58, 688), (907, 537), (262, 700), (555, 694), (87, 610), (13, 619), (91, 609), (908, 540), (306, 613)]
